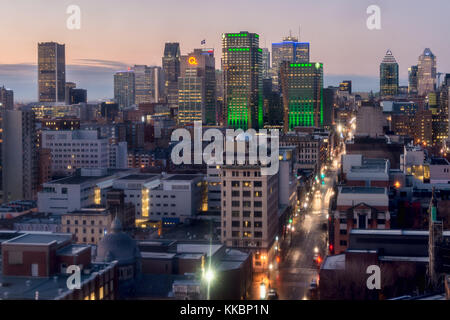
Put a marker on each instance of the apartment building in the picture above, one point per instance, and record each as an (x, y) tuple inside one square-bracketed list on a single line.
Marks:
[(250, 212)]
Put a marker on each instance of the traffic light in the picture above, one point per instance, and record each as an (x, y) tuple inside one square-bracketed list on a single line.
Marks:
[(290, 221)]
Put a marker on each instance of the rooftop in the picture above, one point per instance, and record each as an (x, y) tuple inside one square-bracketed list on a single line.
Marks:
[(40, 238), (142, 177), (363, 190), (72, 249), (183, 177)]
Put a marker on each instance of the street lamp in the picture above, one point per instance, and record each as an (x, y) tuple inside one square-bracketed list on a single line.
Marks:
[(262, 291), (208, 276)]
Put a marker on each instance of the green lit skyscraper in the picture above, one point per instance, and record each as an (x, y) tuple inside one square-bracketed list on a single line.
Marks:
[(388, 75), (241, 65), (302, 90)]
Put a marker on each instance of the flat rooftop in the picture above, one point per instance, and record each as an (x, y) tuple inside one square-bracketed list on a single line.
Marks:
[(141, 177), (73, 249), (36, 238), (77, 179), (363, 190), (182, 177)]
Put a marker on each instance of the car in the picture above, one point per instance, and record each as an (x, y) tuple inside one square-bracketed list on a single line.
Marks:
[(313, 285), (272, 295)]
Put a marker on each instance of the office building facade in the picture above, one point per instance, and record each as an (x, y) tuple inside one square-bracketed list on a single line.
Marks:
[(51, 72), (197, 88), (171, 67), (124, 89), (426, 73), (241, 65), (302, 89), (289, 50), (389, 75)]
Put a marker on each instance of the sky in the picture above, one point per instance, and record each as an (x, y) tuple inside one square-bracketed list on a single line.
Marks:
[(115, 34)]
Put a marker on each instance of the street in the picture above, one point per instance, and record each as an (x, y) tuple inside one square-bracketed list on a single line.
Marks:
[(293, 276)]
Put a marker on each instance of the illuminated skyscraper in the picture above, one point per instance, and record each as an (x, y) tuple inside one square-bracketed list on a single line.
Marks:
[(426, 74), (51, 72), (388, 75), (302, 90), (197, 88), (412, 79), (19, 155), (289, 50), (265, 63), (124, 88), (148, 84), (241, 65), (171, 67)]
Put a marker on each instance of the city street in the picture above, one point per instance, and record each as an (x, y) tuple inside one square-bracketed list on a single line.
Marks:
[(293, 276)]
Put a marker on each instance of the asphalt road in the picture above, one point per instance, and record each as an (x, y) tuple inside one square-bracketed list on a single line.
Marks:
[(293, 276)]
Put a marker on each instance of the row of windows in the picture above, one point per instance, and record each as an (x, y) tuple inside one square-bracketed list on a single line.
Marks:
[(246, 194), (100, 231), (100, 222), (246, 184)]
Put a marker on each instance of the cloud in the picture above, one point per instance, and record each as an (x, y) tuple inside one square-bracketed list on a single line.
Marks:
[(95, 75)]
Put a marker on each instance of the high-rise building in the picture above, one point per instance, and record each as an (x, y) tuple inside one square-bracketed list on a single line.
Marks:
[(302, 90), (249, 211), (426, 73), (20, 165), (346, 86), (265, 63), (124, 89), (389, 75), (289, 50), (241, 65), (6, 99), (6, 103), (148, 84), (196, 88), (412, 79), (51, 72), (171, 67)]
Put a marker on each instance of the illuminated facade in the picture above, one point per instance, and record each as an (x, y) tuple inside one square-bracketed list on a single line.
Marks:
[(197, 88), (51, 72), (302, 89), (171, 67), (289, 50), (412, 79), (124, 89), (388, 75), (147, 83), (426, 73), (241, 65)]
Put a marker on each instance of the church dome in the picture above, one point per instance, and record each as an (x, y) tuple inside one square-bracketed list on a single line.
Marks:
[(118, 246)]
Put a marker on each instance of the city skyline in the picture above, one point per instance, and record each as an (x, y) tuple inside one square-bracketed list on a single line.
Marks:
[(92, 66)]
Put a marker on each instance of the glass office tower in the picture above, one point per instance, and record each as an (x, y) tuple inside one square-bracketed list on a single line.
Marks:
[(388, 75), (426, 73), (171, 67), (197, 88), (289, 50), (302, 90), (241, 65), (51, 72)]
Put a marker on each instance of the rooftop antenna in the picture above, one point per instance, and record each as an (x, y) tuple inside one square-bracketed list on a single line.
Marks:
[(299, 34)]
